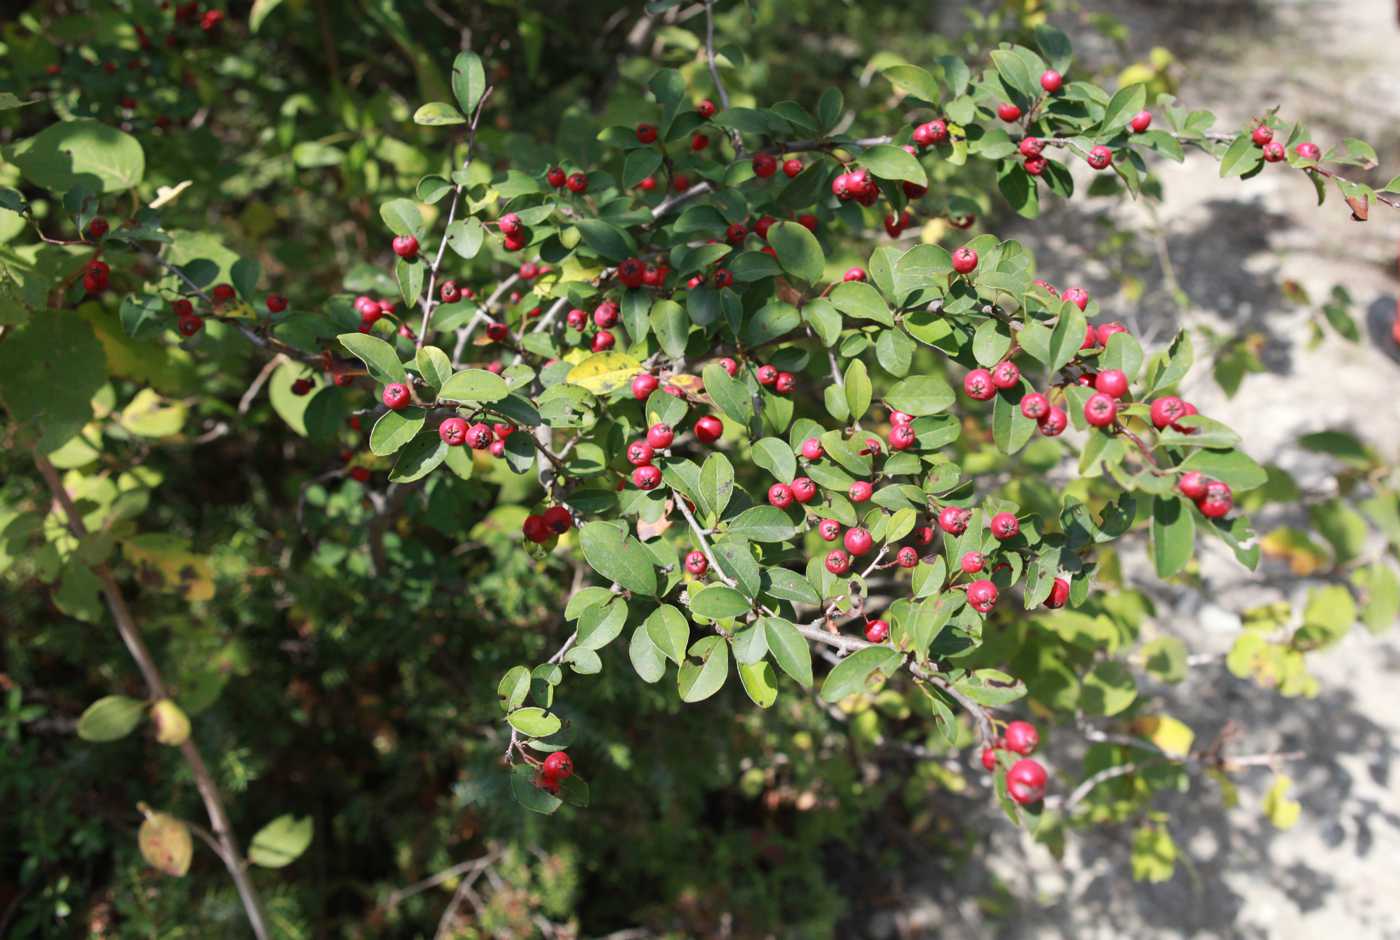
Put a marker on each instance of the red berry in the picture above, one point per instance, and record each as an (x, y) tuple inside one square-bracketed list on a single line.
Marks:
[(1193, 484), (953, 520), (860, 491), (1099, 157), (1006, 374), (632, 272), (647, 184), (697, 564), (812, 449), (1217, 501), (913, 191), (708, 429), (1140, 122), (1034, 405), (829, 529), (1077, 296), (406, 247), (640, 453), (1262, 135), (547, 783), (660, 436), (480, 436), (766, 374), (276, 303), (190, 325), (699, 142), (902, 437), (450, 292), (1100, 410), (803, 489), (807, 221), (603, 341), (930, 133), (792, 166), (558, 765), (972, 562), (497, 332), (643, 385), (1004, 525), (899, 418), (854, 274), (924, 535), (736, 233), (979, 386), (1035, 165), (1274, 152), (646, 133), (989, 758), (359, 474), (97, 228), (723, 278), (559, 519), (730, 366), (453, 431), (1022, 738), (515, 242), (182, 308), (857, 541), (964, 260), (764, 165), (1051, 80), (577, 183), (302, 386), (1105, 331), (785, 383), (510, 224), (1054, 422), (1008, 112), (1307, 150), (396, 395), (1112, 382), (646, 477), (680, 182), (1059, 594), (837, 561), (1025, 781), (877, 631), (907, 557), (982, 595), (555, 176), (1030, 146), (780, 495), (536, 529), (1166, 410), (705, 108)]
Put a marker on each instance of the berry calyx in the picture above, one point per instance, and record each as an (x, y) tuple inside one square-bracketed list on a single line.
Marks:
[(1025, 781), (858, 541), (1022, 738), (396, 395), (480, 436), (982, 596), (406, 247), (803, 489), (1274, 152), (697, 564), (766, 375), (453, 431), (709, 429), (1006, 374), (1100, 410), (640, 453), (907, 557), (877, 631), (646, 477), (829, 529), (964, 260), (979, 386)]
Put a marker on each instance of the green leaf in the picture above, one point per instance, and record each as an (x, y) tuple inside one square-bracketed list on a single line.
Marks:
[(991, 687), (402, 217), (394, 429), (474, 385), (762, 524), (640, 164), (513, 687), (798, 250), (1240, 157), (1107, 689), (419, 457), (670, 631), (858, 389), (86, 153), (434, 366), (647, 659), (1153, 854), (1011, 430), (716, 485), (465, 237), (698, 682), (790, 650), (1125, 103), (856, 299), (759, 681), (110, 718), (775, 456), (718, 602), (921, 395), (859, 670), (1173, 535), (772, 320), (787, 585), (1380, 596), (913, 81), (606, 240), (534, 722), (378, 356), (618, 557), (598, 626), (468, 80), (260, 11), (889, 162), (50, 368), (1067, 336), (731, 395), (437, 114), (1233, 467), (535, 799), (281, 841), (671, 326)]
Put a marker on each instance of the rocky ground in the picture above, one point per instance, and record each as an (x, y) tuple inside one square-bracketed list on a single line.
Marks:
[(1336, 65)]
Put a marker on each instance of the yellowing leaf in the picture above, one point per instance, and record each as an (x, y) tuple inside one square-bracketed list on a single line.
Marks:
[(148, 415), (1303, 555), (605, 372), (173, 564), (1282, 811), (1172, 736)]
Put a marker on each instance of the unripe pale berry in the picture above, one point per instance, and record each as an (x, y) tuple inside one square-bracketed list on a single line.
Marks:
[(453, 431), (660, 436), (396, 395), (1100, 157), (972, 562), (964, 260), (953, 520), (979, 386), (982, 596), (857, 541), (1059, 594), (1054, 422), (780, 495), (1004, 525), (829, 529), (837, 561), (877, 631), (1025, 781), (406, 247), (697, 564), (812, 449), (1100, 410), (907, 557), (1034, 405), (860, 491), (803, 489), (1022, 738), (1006, 374), (1112, 382), (709, 429), (643, 385), (647, 477), (1051, 81), (640, 453)]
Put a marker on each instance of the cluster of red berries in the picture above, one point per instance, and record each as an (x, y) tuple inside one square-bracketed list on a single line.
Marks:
[(576, 182), (856, 185), (1212, 497), (96, 276), (554, 770), (541, 527), (641, 454), (371, 311), (1026, 778), (456, 431)]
